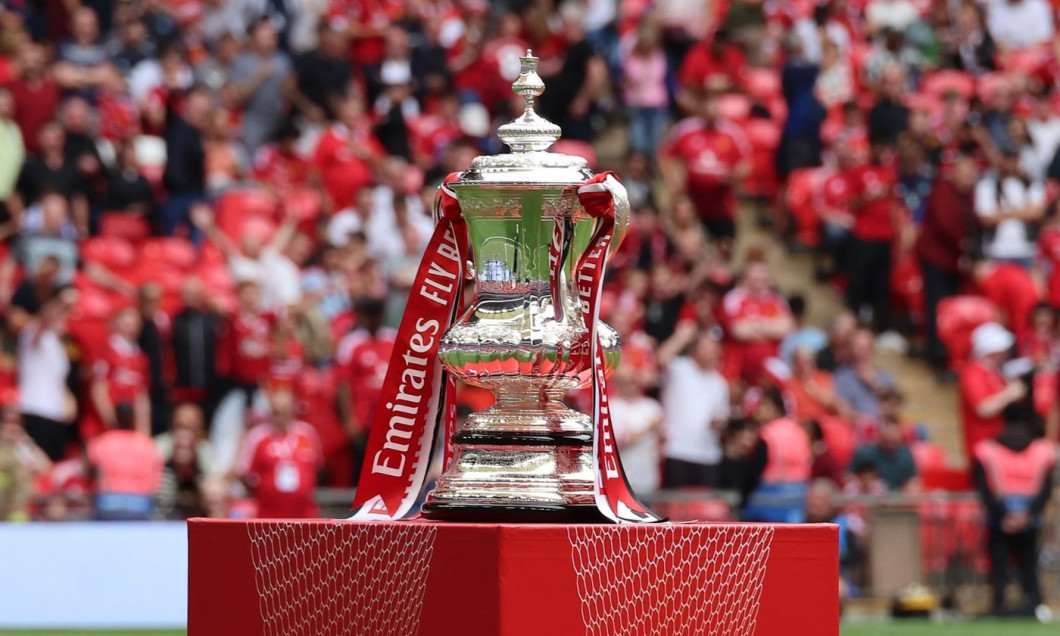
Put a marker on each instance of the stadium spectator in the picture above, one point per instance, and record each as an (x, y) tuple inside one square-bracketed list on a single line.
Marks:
[(126, 469), (36, 94), (692, 450), (361, 359), (1012, 472), (1007, 203), (890, 457), (185, 171), (840, 335), (638, 421), (861, 382), (279, 460), (121, 376), (984, 389), (876, 224), (705, 157), (45, 403), (1017, 24), (263, 76), (187, 459), (780, 494), (757, 320), (644, 73), (944, 246), (155, 331)]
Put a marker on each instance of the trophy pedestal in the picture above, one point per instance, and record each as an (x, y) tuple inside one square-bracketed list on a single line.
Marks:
[(420, 577)]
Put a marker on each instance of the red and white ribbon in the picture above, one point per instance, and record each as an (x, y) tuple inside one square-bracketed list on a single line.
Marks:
[(417, 394)]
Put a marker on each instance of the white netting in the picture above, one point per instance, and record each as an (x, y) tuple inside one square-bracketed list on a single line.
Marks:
[(670, 579), (341, 578)]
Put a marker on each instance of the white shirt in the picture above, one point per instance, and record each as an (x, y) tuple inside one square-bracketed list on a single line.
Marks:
[(896, 14), (1019, 25), (693, 399), (640, 460), (42, 370), (1010, 238), (1045, 135), (279, 278)]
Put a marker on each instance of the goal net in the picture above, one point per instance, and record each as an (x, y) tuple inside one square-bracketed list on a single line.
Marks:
[(672, 579), (340, 578)]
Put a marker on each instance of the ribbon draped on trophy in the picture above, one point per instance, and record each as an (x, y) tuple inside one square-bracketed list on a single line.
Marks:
[(531, 334)]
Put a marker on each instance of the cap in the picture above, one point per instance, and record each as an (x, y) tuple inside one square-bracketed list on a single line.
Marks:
[(990, 338)]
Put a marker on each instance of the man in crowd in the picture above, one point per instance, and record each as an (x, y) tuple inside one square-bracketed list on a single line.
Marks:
[(890, 456), (692, 451), (279, 460), (757, 319), (984, 389), (127, 469), (861, 382), (1012, 473)]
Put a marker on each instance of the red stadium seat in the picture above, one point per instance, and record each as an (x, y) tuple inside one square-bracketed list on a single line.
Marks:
[(173, 251), (958, 316), (734, 107), (131, 227), (939, 83), (236, 206), (113, 252), (762, 83)]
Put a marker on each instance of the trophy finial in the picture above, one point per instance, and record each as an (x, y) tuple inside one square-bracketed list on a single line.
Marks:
[(529, 132)]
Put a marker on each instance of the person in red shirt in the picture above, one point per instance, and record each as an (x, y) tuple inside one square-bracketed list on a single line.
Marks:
[(709, 63), (756, 320), (246, 344), (705, 157), (876, 211), (36, 94), (362, 359), (279, 166), (345, 153), (279, 460), (984, 391), (122, 376)]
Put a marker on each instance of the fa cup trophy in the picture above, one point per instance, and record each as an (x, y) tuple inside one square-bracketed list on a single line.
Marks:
[(538, 227)]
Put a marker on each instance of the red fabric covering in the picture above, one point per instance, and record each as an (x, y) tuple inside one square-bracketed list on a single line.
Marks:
[(457, 578)]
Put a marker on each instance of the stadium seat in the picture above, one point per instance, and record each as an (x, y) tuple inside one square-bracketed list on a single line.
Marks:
[(131, 227), (112, 252), (939, 83), (762, 83), (235, 206), (957, 317), (173, 251), (734, 107)]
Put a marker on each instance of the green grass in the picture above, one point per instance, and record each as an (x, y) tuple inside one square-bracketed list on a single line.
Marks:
[(971, 628)]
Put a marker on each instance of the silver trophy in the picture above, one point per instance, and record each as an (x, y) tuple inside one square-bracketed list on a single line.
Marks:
[(528, 457)]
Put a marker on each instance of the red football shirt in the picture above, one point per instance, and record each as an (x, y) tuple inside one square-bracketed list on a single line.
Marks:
[(247, 347), (125, 369), (709, 154), (746, 358), (34, 107), (979, 381), (281, 467), (362, 360), (279, 169), (700, 65), (344, 172), (875, 185)]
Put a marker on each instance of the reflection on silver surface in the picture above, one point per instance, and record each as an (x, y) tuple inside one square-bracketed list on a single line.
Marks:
[(528, 347)]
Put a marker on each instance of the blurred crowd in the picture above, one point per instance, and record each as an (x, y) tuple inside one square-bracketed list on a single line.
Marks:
[(212, 211)]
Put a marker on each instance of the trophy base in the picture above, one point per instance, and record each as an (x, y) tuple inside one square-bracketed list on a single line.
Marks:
[(526, 513)]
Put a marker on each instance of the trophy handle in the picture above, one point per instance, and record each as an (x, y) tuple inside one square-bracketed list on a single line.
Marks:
[(621, 198)]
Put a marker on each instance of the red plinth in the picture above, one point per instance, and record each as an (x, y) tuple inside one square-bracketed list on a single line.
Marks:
[(333, 577)]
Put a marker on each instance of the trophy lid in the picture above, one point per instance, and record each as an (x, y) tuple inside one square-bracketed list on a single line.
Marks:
[(528, 137)]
